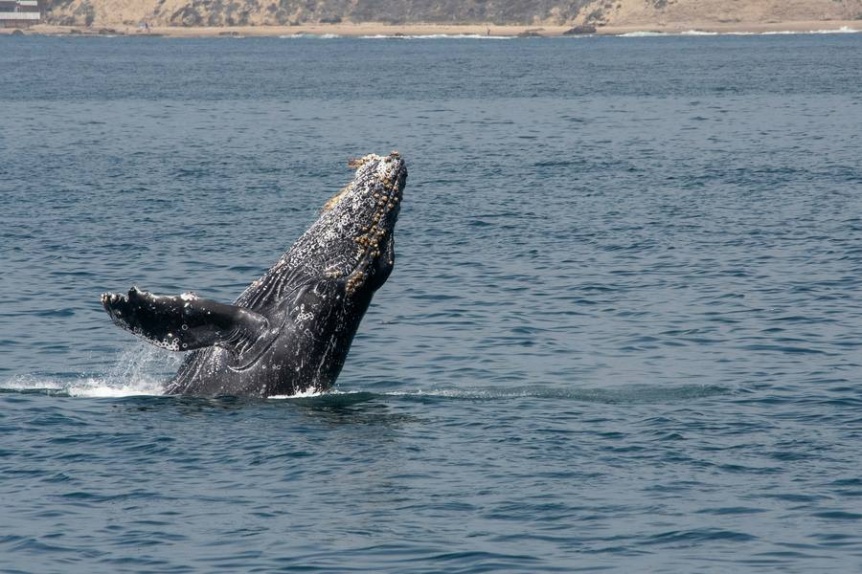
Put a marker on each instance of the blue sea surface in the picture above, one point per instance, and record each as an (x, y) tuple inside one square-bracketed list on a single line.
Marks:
[(622, 334)]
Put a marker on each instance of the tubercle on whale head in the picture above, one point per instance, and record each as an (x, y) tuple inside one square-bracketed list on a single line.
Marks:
[(363, 215), (369, 169)]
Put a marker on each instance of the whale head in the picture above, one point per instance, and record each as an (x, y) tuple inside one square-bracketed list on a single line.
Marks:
[(353, 239)]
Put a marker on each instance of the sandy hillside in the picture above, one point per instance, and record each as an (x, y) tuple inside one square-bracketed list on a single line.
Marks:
[(620, 13), (670, 12)]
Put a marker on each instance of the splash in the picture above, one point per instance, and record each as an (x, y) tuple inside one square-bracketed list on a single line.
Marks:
[(30, 383), (136, 373), (106, 388), (307, 394)]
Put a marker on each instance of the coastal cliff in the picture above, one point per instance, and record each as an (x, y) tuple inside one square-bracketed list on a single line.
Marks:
[(193, 13)]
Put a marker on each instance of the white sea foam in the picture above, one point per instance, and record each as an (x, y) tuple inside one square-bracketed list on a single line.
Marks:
[(104, 388), (300, 395), (842, 30), (650, 34), (698, 33), (136, 373), (140, 370), (636, 34), (31, 383), (313, 36), (86, 387), (399, 36), (436, 37), (642, 34)]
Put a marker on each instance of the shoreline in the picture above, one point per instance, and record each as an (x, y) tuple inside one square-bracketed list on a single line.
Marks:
[(371, 30)]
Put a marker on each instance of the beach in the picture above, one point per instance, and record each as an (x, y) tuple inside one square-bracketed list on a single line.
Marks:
[(370, 29)]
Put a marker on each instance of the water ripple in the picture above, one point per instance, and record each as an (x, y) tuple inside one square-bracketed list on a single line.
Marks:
[(622, 332)]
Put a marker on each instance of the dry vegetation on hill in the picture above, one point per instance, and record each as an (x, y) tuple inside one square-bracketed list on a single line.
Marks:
[(518, 12)]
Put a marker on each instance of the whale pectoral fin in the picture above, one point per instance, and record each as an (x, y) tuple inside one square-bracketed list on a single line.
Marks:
[(186, 322)]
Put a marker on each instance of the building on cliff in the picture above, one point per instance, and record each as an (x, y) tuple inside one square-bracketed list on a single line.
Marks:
[(19, 13)]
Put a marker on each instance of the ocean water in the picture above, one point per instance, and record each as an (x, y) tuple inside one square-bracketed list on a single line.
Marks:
[(622, 335)]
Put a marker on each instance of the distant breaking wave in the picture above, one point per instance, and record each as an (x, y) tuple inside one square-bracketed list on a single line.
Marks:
[(436, 37), (399, 37), (842, 30), (636, 34), (650, 33)]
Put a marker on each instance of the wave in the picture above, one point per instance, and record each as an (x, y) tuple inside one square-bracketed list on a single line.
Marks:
[(436, 37), (643, 34), (133, 378), (614, 395), (398, 37), (635, 34), (312, 36), (695, 32), (842, 30), (143, 370), (698, 33)]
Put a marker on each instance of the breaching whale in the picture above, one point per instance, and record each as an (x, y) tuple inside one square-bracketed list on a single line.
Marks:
[(290, 330)]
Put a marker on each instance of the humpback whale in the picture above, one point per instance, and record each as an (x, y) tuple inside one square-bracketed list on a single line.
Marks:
[(291, 329)]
